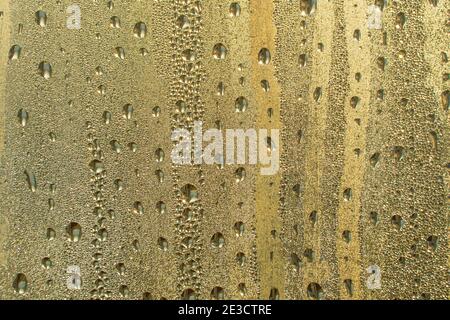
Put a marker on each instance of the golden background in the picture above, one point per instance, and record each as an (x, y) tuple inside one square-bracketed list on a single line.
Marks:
[(87, 179)]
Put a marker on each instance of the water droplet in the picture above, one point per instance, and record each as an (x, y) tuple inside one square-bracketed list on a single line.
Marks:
[(235, 9), (183, 22), (20, 283), (46, 263), (138, 208), (140, 30), (74, 232), (159, 155), (51, 234), (115, 22), (219, 51), (163, 244), (239, 229), (45, 70), (302, 60), (161, 207), (217, 240), (264, 56), (397, 221), (23, 117), (96, 166), (347, 194), (41, 18), (189, 193), (241, 104), (128, 111), (14, 52), (314, 291), (120, 267), (31, 179), (217, 293), (120, 53), (189, 294)]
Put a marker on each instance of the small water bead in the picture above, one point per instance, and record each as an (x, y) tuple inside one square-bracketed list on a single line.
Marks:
[(183, 22), (74, 232), (45, 70), (96, 166), (432, 242), (400, 21), (295, 262), (31, 179), (374, 159), (23, 117), (445, 100), (240, 174), (355, 102), (115, 22), (101, 90), (116, 147), (133, 146), (138, 208), (156, 112), (14, 52), (265, 85), (120, 267), (240, 258), (159, 175), (242, 289), (163, 244), (348, 283), (347, 194), (274, 294), (307, 7), (188, 55), (217, 240), (20, 283), (159, 155), (102, 234), (347, 235), (373, 216), (128, 111), (241, 104), (110, 5), (51, 204), (235, 9), (220, 89), (218, 293), (41, 18), (140, 30), (189, 294), (187, 214), (161, 207), (239, 228), (143, 52), (46, 263), (219, 51), (119, 53), (189, 193), (50, 234), (314, 291), (302, 60), (397, 221), (264, 56), (317, 95), (357, 35), (124, 291)]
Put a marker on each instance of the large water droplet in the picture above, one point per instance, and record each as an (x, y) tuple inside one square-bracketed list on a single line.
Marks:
[(140, 30), (20, 283)]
